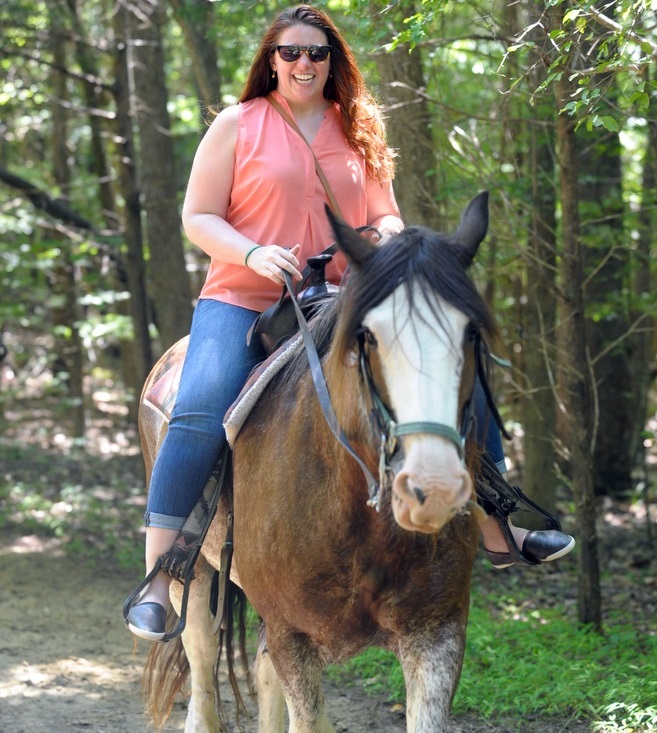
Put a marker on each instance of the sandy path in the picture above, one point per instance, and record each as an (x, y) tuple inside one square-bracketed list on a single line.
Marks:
[(67, 663)]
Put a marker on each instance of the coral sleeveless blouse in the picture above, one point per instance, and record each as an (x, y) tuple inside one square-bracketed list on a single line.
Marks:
[(277, 197)]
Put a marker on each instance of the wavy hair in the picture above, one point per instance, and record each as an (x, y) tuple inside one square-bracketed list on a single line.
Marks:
[(363, 123)]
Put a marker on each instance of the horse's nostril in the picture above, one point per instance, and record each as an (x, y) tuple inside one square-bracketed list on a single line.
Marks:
[(420, 496)]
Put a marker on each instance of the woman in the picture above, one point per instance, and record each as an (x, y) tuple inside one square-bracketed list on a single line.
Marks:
[(255, 205)]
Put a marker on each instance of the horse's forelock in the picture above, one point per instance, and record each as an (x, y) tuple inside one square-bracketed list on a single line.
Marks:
[(416, 255)]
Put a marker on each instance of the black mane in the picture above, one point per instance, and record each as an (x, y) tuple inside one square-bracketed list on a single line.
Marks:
[(417, 254)]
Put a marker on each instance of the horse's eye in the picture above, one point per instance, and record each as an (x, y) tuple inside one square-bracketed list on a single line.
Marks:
[(367, 337), (370, 338)]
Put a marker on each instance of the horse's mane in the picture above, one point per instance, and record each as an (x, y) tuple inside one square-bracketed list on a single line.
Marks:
[(416, 255)]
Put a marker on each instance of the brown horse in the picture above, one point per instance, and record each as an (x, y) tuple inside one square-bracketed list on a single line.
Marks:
[(329, 571)]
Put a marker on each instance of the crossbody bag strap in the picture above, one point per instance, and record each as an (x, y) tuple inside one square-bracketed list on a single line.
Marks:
[(320, 173)]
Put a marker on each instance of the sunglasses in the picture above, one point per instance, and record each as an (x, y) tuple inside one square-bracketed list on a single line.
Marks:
[(293, 53)]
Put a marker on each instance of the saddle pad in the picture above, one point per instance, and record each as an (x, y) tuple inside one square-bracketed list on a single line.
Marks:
[(255, 385)]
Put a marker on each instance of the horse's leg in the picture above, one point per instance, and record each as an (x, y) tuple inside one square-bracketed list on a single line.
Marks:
[(299, 670), (271, 702), (432, 671), (201, 650)]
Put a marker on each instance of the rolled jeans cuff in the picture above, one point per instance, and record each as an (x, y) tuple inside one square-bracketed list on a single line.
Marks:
[(163, 521)]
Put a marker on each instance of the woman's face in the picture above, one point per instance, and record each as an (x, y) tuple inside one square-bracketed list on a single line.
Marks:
[(301, 81)]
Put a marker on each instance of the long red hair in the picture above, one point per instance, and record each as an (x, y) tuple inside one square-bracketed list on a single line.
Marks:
[(361, 116)]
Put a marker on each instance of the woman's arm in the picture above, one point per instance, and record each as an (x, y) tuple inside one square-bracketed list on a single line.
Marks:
[(382, 209), (206, 205)]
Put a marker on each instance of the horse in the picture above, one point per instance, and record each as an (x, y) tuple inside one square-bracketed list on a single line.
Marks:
[(330, 563)]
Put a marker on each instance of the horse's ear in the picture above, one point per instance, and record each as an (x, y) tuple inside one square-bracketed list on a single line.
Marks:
[(473, 228), (356, 248)]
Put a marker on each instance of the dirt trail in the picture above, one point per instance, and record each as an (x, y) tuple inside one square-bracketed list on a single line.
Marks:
[(67, 662)]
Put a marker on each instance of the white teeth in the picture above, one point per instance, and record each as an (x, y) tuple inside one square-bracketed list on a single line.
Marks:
[(303, 77)]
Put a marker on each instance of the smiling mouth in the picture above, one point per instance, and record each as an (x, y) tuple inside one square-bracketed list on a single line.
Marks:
[(304, 77)]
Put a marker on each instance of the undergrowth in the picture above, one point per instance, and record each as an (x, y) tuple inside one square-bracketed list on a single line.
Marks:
[(93, 506), (539, 665)]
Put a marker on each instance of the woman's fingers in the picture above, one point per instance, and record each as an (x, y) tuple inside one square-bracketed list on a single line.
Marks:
[(272, 261)]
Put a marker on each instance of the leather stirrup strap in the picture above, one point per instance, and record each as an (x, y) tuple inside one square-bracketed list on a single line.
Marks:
[(179, 561), (320, 173)]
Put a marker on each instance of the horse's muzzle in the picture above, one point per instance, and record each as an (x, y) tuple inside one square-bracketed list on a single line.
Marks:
[(430, 488)]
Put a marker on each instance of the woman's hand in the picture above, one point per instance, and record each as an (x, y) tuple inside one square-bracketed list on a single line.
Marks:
[(271, 260)]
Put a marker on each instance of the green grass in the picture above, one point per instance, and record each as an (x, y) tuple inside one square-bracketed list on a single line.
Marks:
[(542, 665)]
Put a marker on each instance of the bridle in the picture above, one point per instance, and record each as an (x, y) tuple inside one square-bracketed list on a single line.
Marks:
[(381, 415), (389, 430)]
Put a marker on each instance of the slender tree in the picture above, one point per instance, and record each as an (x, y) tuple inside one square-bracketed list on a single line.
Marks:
[(170, 288), (63, 278), (577, 400), (404, 91)]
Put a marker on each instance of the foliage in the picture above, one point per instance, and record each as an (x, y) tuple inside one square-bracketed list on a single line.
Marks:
[(91, 504), (519, 665)]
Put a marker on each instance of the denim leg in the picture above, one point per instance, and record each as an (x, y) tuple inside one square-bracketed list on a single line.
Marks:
[(488, 434), (216, 366)]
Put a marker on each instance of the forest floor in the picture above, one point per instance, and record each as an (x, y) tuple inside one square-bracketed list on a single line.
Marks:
[(68, 664)]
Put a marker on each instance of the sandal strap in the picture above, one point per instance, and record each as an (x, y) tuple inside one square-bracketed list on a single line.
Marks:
[(500, 499)]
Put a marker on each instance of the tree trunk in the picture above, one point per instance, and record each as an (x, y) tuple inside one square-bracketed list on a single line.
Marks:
[(195, 20), (139, 358), (539, 398), (409, 132), (606, 256), (168, 274), (69, 356), (578, 397), (94, 101), (643, 342)]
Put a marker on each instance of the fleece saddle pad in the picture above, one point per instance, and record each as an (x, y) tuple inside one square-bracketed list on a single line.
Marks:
[(255, 385), (161, 395)]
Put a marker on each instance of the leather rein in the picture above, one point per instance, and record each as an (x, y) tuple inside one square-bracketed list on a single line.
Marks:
[(382, 418)]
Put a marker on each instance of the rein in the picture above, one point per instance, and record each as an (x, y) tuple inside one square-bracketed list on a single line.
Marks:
[(388, 429)]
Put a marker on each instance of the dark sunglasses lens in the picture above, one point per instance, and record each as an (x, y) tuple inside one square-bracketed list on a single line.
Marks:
[(289, 53), (315, 53), (318, 53)]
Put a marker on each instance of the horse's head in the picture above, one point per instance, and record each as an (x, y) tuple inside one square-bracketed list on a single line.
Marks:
[(417, 317)]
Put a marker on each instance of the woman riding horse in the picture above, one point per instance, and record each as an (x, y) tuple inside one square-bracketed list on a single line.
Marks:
[(255, 205)]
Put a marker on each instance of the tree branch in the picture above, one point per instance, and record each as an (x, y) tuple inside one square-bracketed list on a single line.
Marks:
[(44, 202)]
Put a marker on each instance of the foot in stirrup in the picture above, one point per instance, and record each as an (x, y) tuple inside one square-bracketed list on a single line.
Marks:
[(537, 546), (147, 620)]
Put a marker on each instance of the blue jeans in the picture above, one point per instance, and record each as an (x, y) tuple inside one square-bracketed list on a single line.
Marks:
[(217, 364), (487, 433)]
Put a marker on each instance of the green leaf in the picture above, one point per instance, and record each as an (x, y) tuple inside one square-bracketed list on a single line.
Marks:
[(609, 123), (570, 15)]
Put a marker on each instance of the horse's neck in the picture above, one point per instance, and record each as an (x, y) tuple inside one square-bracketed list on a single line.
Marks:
[(344, 384)]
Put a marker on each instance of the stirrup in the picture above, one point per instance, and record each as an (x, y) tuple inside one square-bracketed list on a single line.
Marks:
[(499, 499), (179, 561)]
